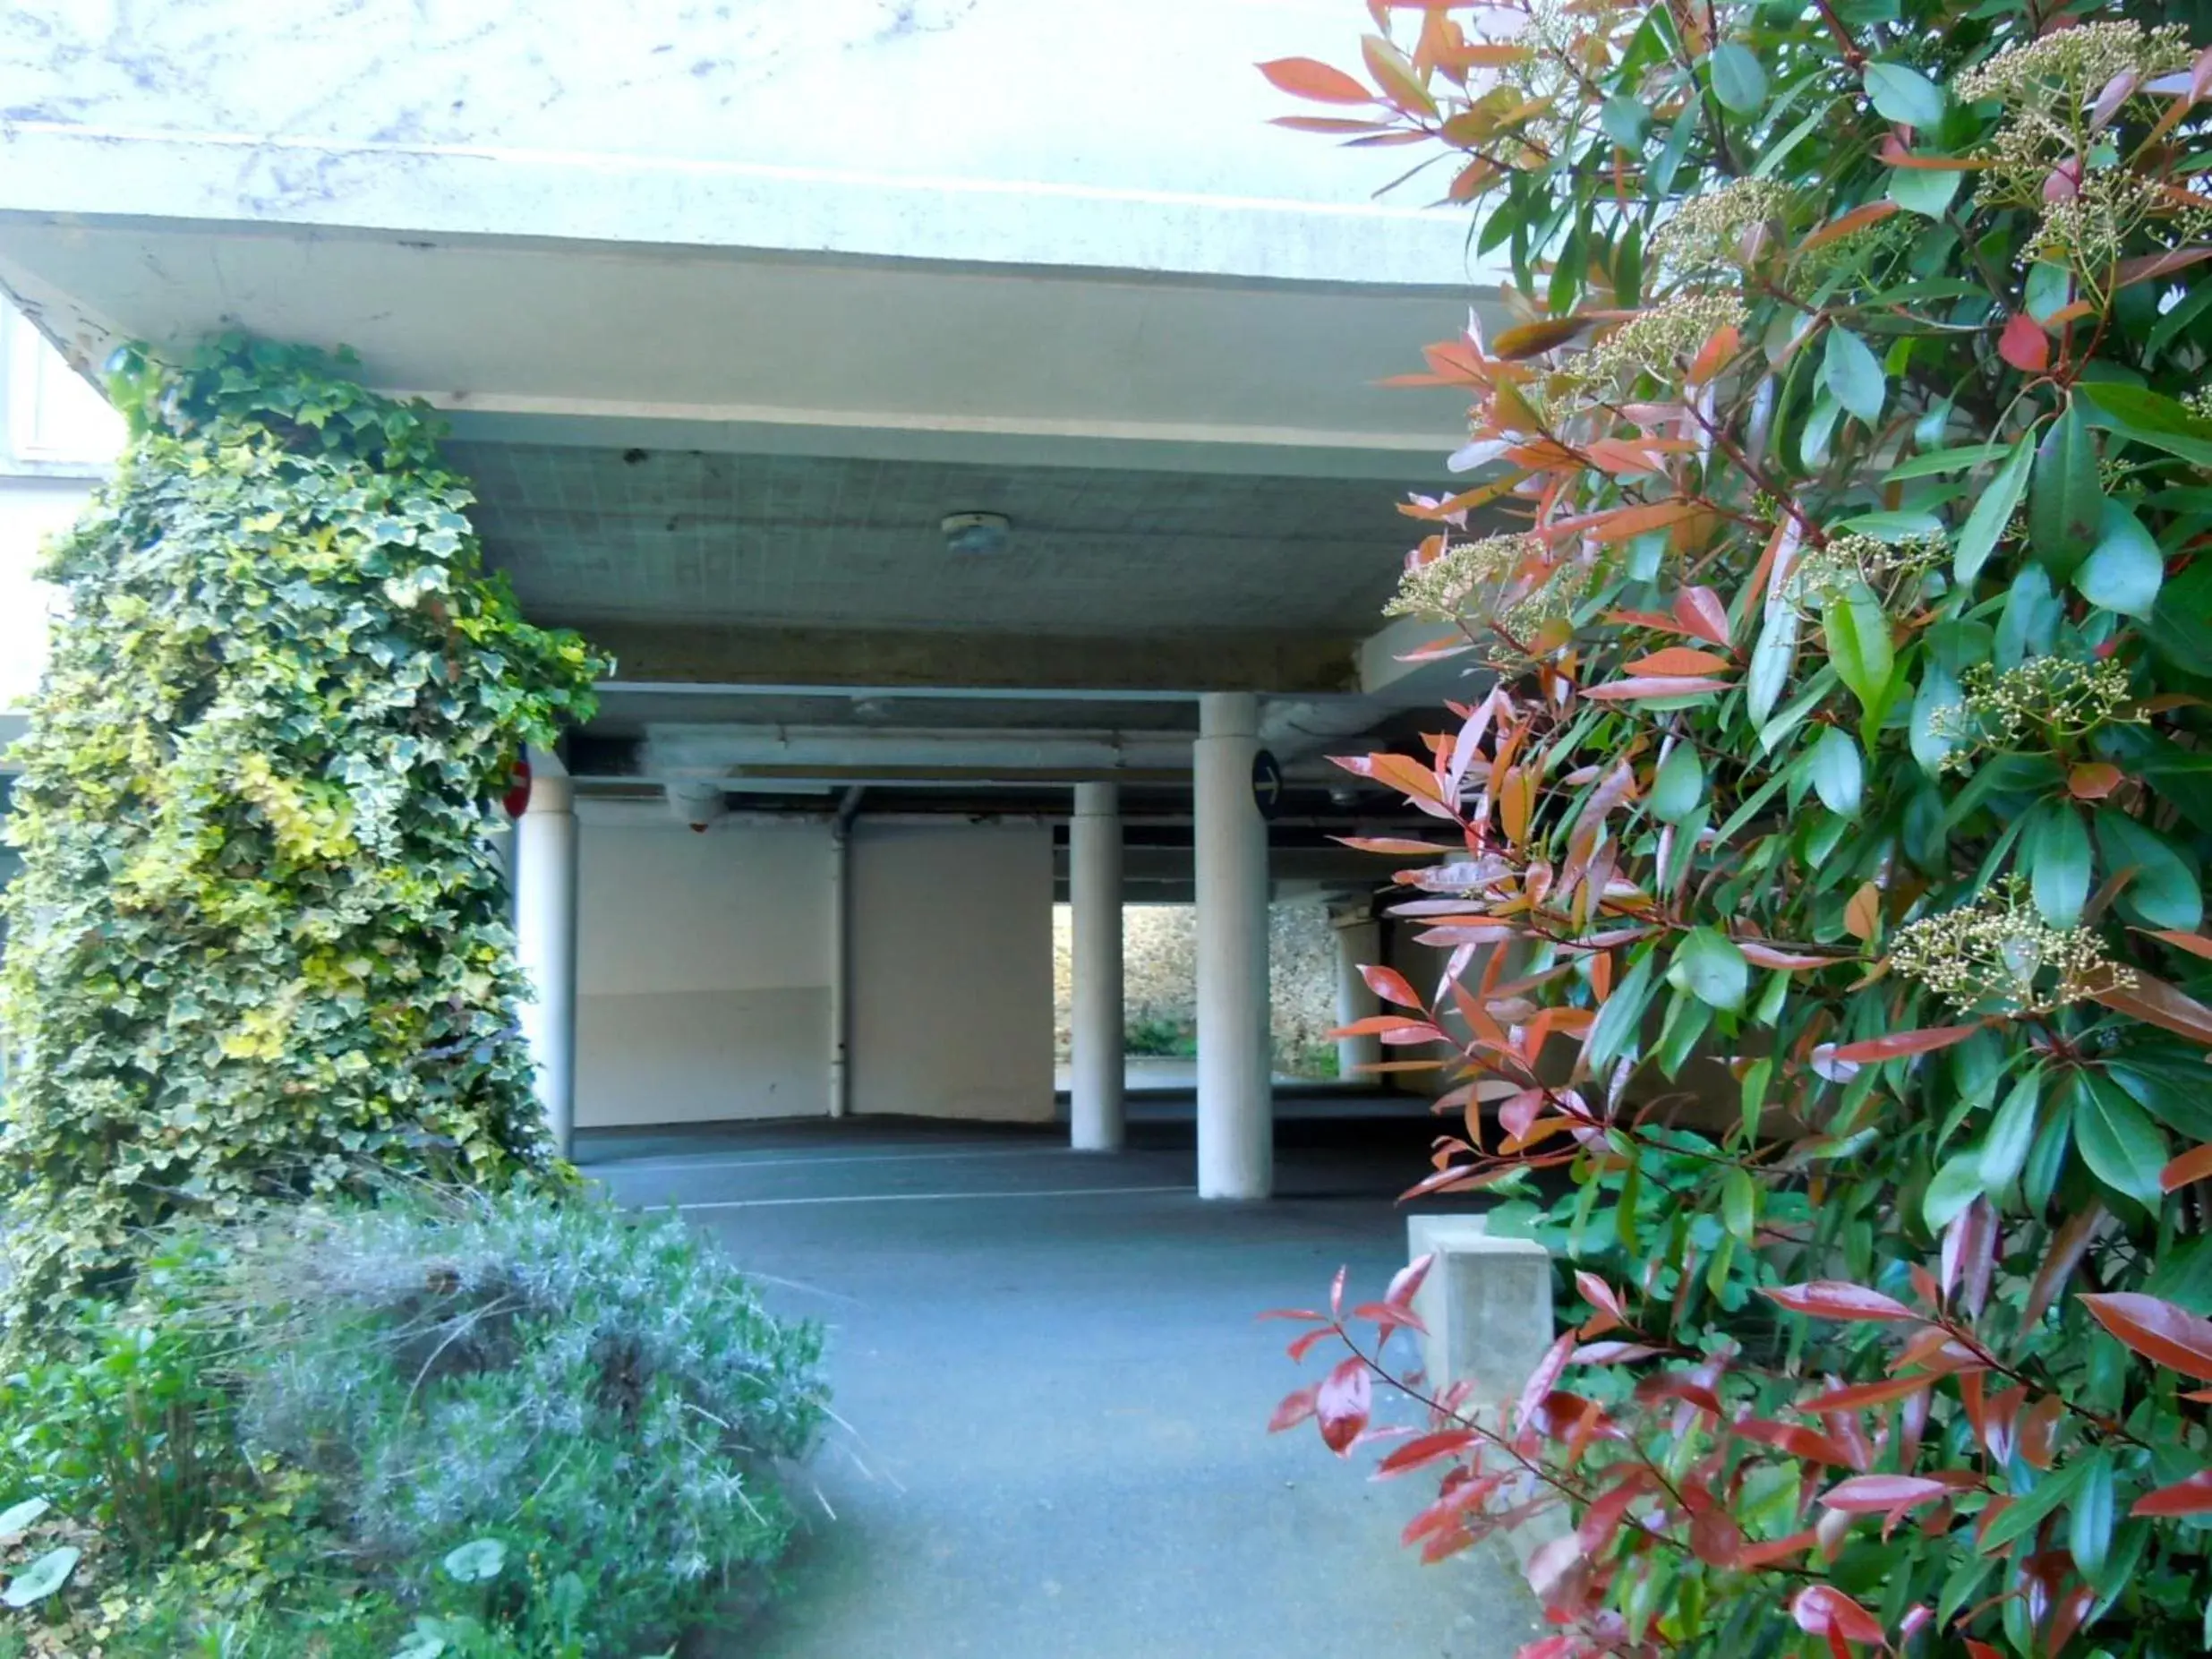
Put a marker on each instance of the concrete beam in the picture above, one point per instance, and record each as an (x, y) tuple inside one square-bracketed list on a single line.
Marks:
[(1188, 663)]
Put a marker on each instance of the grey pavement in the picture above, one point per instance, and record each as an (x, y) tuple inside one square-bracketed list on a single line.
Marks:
[(1054, 1391)]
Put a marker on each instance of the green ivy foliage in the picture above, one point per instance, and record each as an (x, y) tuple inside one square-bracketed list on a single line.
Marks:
[(259, 942)]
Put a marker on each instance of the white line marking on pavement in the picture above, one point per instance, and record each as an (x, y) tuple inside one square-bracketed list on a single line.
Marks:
[(910, 1198), (677, 1161)]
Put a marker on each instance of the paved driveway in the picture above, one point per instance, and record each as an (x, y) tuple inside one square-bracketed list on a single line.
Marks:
[(1055, 1395)]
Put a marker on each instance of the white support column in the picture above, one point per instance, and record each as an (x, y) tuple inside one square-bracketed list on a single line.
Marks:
[(545, 861), (1235, 1106), (1095, 1106), (1359, 942)]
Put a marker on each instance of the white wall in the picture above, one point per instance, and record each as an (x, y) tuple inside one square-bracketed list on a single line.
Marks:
[(952, 958), (703, 970), (702, 973)]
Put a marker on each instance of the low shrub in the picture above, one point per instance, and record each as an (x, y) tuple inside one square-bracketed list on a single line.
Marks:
[(451, 1423)]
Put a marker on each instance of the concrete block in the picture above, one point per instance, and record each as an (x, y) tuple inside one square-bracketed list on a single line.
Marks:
[(1487, 1303)]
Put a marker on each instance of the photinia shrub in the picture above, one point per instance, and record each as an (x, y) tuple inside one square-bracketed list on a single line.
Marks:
[(259, 943), (1818, 862)]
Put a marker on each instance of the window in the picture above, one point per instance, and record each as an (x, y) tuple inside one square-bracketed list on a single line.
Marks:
[(53, 416)]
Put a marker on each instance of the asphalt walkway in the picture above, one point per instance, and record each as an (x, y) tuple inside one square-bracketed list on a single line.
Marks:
[(1054, 1394)]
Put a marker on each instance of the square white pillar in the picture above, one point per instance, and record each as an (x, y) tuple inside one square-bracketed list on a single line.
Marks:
[(545, 867)]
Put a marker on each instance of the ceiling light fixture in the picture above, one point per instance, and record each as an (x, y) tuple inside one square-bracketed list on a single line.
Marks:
[(975, 532)]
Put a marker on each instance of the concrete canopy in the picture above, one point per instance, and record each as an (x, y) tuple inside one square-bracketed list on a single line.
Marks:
[(728, 310)]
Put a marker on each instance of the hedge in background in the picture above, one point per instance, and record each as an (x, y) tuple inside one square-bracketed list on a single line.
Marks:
[(259, 940)]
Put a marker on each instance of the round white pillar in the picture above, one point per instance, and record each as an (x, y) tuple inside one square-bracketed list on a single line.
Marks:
[(1359, 942), (1235, 1106), (545, 860), (1095, 1106)]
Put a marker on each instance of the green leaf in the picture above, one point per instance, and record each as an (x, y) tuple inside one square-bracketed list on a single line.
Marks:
[(2121, 1144), (1929, 734), (1893, 526), (1904, 95), (2012, 1131), (2027, 1509), (2163, 892), (1738, 80), (476, 1561), (1986, 523), (1771, 659), (2065, 500), (1946, 461), (1925, 190), (2146, 417), (1958, 1183), (1626, 121), (2028, 625), (1708, 965), (1613, 1034), (41, 1579), (1839, 772), (2125, 570), (1853, 373), (2047, 290), (1678, 785), (2055, 848), (2089, 1517), (1858, 644), (1739, 1203)]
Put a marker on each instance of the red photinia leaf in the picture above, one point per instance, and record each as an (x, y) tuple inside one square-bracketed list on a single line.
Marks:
[(1602, 1519), (1424, 1450), (2156, 1003), (1301, 1345), (1714, 355), (1855, 221), (1308, 78), (1291, 1314), (1981, 1650), (1763, 955), (1392, 844), (1295, 1410), (1809, 1445), (1611, 1353), (1389, 1316), (1541, 1379), (2092, 780), (1678, 660), (1753, 1556), (1654, 686), (1822, 1608), (2192, 1496), (2024, 344), (2060, 1259), (1599, 1294), (1866, 1394), (2145, 267), (1896, 1045), (1532, 339), (1834, 1298), (1407, 1279), (1382, 1025), (2195, 943), (1700, 613), (2156, 1329), (2189, 1166), (1715, 1538), (1391, 986), (1341, 1404), (1877, 1494)]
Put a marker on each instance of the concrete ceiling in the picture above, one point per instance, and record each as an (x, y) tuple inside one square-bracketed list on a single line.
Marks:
[(661, 535)]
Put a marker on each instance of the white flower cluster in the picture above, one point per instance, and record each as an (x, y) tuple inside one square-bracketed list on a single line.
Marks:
[(1998, 957)]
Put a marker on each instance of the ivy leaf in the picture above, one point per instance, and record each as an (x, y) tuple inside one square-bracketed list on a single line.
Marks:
[(1985, 523), (1904, 95), (1851, 372), (2164, 891), (2121, 1144), (2065, 500), (1839, 773), (1738, 80), (2055, 848), (1709, 967), (2125, 570)]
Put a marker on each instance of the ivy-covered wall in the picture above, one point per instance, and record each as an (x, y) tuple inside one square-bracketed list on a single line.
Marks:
[(259, 939)]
